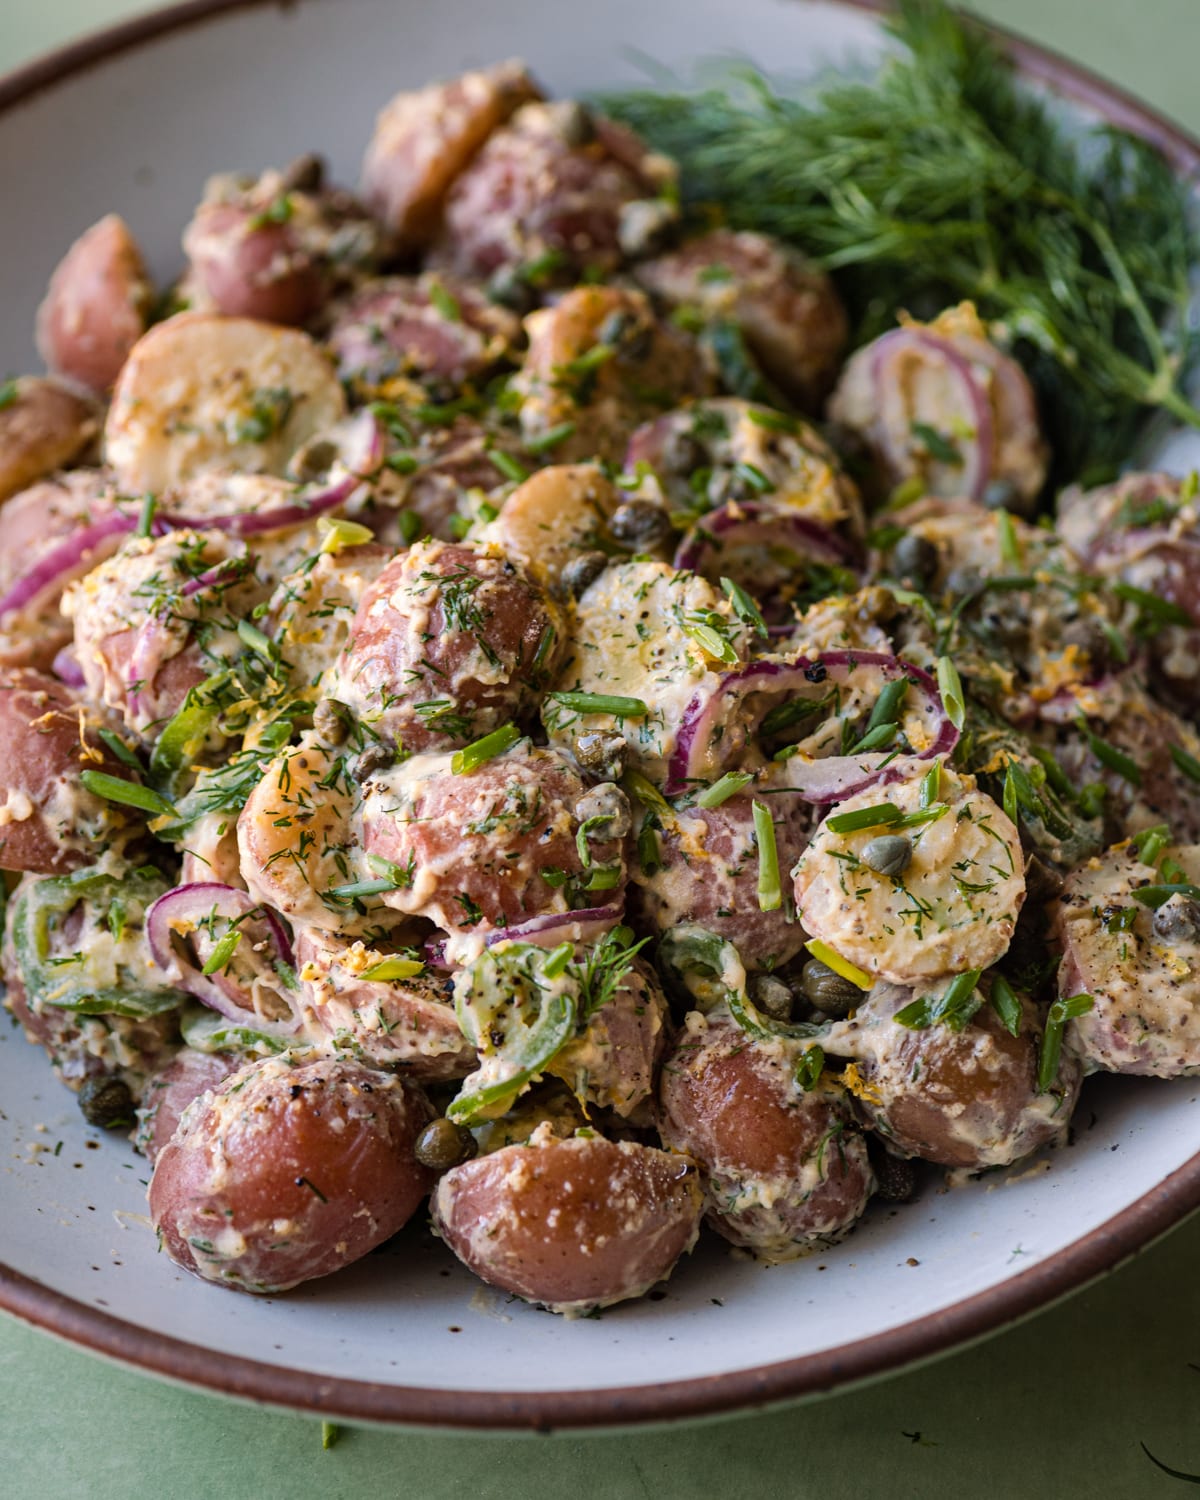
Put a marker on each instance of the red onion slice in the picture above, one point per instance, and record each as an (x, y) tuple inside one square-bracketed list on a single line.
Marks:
[(360, 444), (66, 668), (718, 718), (64, 559), (178, 915), (548, 930)]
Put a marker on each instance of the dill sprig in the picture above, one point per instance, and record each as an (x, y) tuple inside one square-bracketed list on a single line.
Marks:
[(942, 180)]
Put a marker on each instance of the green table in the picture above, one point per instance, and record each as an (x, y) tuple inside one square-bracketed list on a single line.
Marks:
[(1058, 1407)]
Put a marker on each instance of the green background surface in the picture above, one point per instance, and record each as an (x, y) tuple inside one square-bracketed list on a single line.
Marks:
[(1058, 1407)]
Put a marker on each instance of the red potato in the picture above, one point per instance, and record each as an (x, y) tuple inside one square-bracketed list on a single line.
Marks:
[(96, 307), (476, 849), (599, 364), (432, 328), (555, 187), (167, 1094), (252, 267), (295, 1167), (784, 1171), (788, 311), (571, 1224), (709, 875), (424, 139), (448, 643), (965, 1098), (613, 1064), (403, 1023), (48, 823), (43, 427)]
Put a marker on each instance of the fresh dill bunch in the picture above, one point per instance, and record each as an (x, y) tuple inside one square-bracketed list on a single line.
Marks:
[(942, 180)]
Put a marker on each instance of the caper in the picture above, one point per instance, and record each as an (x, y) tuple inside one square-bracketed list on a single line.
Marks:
[(889, 854), (581, 571), (305, 175), (572, 122), (826, 990), (771, 996), (895, 1176), (1178, 921), (914, 560), (443, 1144), (106, 1103), (376, 757), (639, 524), (606, 808), (601, 753), (329, 720)]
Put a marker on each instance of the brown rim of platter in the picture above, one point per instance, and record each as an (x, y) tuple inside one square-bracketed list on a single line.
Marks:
[(1104, 1248)]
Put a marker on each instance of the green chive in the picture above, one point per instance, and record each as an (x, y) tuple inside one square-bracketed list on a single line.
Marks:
[(875, 739), (551, 438), (223, 952), (770, 897), (754, 478), (558, 959), (936, 445), (444, 302), (793, 711), (931, 785), (402, 463), (358, 888), (120, 749), (603, 878), (728, 786), (647, 793), (602, 703), (1188, 764), (330, 1432), (808, 1069), (1151, 842), (1112, 758), (491, 745), (1158, 895), (823, 953), (253, 638), (1006, 1005), (773, 421), (408, 524), (127, 793), (1010, 547), (1057, 1017), (744, 607), (393, 968), (508, 466), (711, 638), (343, 533), (882, 815), (950, 687), (887, 705), (1152, 605), (954, 1008), (145, 523)]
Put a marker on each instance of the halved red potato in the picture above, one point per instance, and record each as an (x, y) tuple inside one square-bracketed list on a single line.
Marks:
[(1140, 965), (965, 1098), (490, 848), (571, 1224), (552, 518), (599, 364), (448, 643), (201, 392), (788, 311), (785, 1172), (406, 1023), (43, 427), (167, 1094), (709, 875), (293, 1168), (613, 1063), (96, 307), (425, 138), (49, 823), (311, 612)]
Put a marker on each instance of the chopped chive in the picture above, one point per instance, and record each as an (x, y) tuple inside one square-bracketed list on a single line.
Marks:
[(1188, 764), (1057, 1017), (445, 302), (950, 687), (953, 1008), (936, 445), (127, 793), (1092, 798), (508, 466), (887, 705), (931, 785), (648, 853), (1158, 895), (1154, 606), (1010, 547), (1112, 758), (223, 952), (590, 360), (408, 523), (342, 533), (728, 786), (834, 960), (773, 421), (1171, 873), (402, 463), (119, 748), (253, 638), (875, 739), (752, 476), (770, 896), (647, 793), (1006, 1005), (558, 959), (710, 637), (602, 703), (744, 607), (809, 1067), (603, 878), (794, 711), (394, 968), (551, 438), (145, 525), (1151, 842), (881, 815), (358, 888), (330, 1432), (491, 745)]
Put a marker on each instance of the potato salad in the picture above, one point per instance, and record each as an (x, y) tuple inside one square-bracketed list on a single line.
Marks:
[(506, 720)]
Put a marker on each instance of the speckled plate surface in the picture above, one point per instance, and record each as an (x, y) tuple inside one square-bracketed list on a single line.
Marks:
[(135, 122)]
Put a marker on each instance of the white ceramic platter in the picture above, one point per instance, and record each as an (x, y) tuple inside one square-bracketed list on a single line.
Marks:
[(135, 124)]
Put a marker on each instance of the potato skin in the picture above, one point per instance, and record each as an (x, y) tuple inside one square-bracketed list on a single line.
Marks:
[(570, 1224), (783, 1174), (168, 1094), (96, 306), (292, 1169), (42, 428)]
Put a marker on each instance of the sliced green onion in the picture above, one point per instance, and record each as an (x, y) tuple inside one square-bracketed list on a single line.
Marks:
[(1151, 842), (887, 705), (793, 711), (728, 786), (8, 393), (1057, 1017), (1188, 764), (223, 952), (744, 607), (403, 463), (951, 689), (145, 525), (357, 888), (936, 445), (127, 793), (1006, 1005), (120, 749), (386, 869), (770, 896), (773, 421), (445, 302), (508, 466), (953, 1008), (931, 785), (558, 959), (1010, 547), (809, 1067), (648, 853), (833, 960), (602, 703), (409, 525), (393, 968), (647, 793), (882, 815), (878, 738), (711, 639), (1158, 895), (603, 878), (1112, 758), (551, 438), (1152, 605), (754, 478), (342, 533), (491, 745), (253, 638)]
